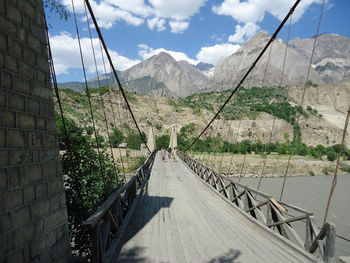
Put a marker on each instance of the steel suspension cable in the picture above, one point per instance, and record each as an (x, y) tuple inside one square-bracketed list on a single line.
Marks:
[(114, 71), (255, 110), (65, 130), (119, 110), (335, 178), (111, 105), (303, 94), (249, 70), (99, 83), (87, 91), (272, 128)]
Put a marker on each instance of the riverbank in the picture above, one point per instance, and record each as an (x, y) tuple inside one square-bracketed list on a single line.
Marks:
[(251, 165)]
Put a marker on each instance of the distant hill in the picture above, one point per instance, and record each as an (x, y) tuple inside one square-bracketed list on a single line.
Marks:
[(332, 56), (179, 77), (162, 75), (231, 69)]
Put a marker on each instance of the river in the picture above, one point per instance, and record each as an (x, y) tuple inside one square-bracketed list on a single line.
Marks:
[(311, 193)]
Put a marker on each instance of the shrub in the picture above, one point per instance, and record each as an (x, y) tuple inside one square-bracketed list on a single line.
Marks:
[(162, 142), (116, 137), (332, 156), (310, 172), (89, 178), (344, 167)]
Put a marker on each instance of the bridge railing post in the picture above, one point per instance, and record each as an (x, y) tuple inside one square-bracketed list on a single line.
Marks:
[(278, 215), (107, 224), (329, 243)]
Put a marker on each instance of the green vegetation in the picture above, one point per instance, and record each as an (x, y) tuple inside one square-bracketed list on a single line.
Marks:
[(216, 144), (116, 137), (134, 140), (89, 179), (130, 97), (162, 142), (55, 7)]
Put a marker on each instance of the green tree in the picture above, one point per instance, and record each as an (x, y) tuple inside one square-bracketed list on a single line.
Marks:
[(332, 155), (89, 179), (162, 142), (134, 140), (56, 7), (116, 137), (89, 130)]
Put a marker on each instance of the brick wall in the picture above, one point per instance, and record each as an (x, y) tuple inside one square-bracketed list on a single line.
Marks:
[(33, 221)]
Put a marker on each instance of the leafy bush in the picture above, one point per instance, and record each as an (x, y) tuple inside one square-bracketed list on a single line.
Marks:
[(134, 140), (312, 173), (332, 155), (162, 142), (89, 179), (116, 137), (344, 167)]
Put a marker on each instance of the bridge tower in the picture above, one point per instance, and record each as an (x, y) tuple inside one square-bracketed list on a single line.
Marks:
[(151, 142), (173, 137), (33, 215)]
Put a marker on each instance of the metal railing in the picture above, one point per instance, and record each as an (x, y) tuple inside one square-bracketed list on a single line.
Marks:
[(275, 215), (108, 223)]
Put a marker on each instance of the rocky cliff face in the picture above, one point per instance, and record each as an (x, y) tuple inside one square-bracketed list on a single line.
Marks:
[(331, 58), (230, 70), (180, 78)]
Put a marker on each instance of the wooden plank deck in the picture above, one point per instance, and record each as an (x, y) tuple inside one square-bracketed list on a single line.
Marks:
[(178, 219)]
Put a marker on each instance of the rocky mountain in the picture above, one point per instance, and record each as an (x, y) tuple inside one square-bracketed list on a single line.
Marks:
[(230, 70), (179, 77), (204, 66), (162, 75), (105, 80), (331, 58), (148, 85)]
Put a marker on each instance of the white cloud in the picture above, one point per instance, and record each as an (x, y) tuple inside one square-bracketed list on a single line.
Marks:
[(178, 9), (253, 11), (137, 7), (107, 13), (213, 53), (178, 26), (244, 32), (146, 52), (156, 23), (157, 12), (66, 54)]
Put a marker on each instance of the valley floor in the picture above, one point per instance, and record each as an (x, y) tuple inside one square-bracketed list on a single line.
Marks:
[(275, 166)]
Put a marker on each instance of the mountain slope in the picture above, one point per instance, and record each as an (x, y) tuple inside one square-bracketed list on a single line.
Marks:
[(331, 58), (231, 69), (180, 78)]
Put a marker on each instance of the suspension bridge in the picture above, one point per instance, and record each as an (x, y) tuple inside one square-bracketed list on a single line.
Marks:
[(179, 209)]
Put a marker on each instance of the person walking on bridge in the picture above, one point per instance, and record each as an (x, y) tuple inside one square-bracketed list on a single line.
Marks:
[(163, 153), (174, 152), (169, 152)]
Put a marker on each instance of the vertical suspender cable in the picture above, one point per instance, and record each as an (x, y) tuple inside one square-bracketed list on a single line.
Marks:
[(111, 104), (114, 71), (305, 86), (249, 70), (99, 83), (87, 91), (335, 178)]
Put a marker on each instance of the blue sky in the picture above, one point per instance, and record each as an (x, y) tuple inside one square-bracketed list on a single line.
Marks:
[(192, 30)]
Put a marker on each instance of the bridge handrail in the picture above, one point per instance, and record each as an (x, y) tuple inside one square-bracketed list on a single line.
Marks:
[(109, 221), (276, 215)]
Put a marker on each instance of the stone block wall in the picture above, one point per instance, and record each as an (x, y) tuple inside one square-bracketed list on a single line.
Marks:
[(33, 215)]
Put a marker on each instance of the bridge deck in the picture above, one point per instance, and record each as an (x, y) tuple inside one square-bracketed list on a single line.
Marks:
[(178, 219)]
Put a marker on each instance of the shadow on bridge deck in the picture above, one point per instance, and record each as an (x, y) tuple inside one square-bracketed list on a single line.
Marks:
[(178, 219)]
